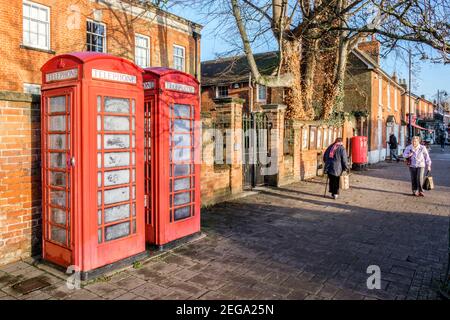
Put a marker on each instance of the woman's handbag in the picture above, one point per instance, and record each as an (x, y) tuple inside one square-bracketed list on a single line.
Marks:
[(428, 183)]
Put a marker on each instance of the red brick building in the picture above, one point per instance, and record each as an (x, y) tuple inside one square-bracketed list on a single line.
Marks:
[(375, 98), (34, 31)]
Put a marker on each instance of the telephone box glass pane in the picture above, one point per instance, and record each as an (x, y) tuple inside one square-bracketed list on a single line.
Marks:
[(58, 160), (117, 105), (117, 213), (182, 213), (58, 198), (117, 177), (182, 154), (57, 179), (112, 123), (182, 169), (181, 125), (58, 104), (117, 159), (182, 140), (116, 141), (57, 141), (182, 198), (57, 123), (117, 195), (117, 231), (58, 235), (182, 184), (58, 216), (182, 111)]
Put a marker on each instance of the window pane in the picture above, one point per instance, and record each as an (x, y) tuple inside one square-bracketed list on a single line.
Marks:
[(116, 141), (182, 184), (181, 155), (182, 111), (117, 177), (57, 141), (112, 123), (57, 179), (182, 140), (117, 231), (57, 123), (58, 198), (117, 195), (58, 235), (181, 125), (117, 213), (26, 10), (182, 198), (58, 216), (58, 160), (182, 169), (58, 104), (117, 159), (117, 105), (182, 213)]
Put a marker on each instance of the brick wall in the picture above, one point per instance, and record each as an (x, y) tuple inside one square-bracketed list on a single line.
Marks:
[(219, 182), (20, 197), (68, 34)]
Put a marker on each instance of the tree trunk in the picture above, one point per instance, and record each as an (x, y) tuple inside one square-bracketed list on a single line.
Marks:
[(294, 98), (309, 63)]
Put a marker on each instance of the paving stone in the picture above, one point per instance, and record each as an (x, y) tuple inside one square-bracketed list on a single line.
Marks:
[(213, 295), (151, 291), (129, 283), (207, 282), (82, 294), (105, 290), (185, 274), (129, 296)]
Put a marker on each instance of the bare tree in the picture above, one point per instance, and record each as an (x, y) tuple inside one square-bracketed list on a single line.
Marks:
[(314, 38)]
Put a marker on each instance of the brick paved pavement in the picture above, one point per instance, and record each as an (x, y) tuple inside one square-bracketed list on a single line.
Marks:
[(291, 243)]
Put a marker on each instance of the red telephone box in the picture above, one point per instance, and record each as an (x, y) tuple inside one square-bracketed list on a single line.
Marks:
[(92, 160), (172, 155)]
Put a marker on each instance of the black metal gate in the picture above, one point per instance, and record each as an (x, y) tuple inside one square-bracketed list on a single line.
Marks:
[(256, 143)]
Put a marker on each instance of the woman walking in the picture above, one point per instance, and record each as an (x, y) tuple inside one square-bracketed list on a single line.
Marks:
[(335, 159), (418, 158)]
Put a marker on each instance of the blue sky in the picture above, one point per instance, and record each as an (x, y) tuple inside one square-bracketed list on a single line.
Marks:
[(427, 79)]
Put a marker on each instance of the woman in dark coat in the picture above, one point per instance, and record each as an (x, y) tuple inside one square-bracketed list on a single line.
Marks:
[(335, 159)]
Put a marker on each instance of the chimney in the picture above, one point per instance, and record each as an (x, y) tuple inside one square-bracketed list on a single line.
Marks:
[(403, 84), (394, 77), (371, 48)]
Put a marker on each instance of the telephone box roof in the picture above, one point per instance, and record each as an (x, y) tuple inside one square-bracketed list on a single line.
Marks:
[(163, 71), (86, 56)]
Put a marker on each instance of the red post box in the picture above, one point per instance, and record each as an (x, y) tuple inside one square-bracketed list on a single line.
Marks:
[(172, 155), (92, 160), (359, 151)]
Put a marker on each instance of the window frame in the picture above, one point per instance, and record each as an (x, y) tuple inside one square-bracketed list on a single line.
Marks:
[(48, 23), (388, 94), (258, 87), (184, 57), (148, 64), (395, 99), (218, 95), (104, 39)]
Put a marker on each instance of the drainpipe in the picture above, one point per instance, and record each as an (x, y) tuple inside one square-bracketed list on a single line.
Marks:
[(251, 92), (196, 37)]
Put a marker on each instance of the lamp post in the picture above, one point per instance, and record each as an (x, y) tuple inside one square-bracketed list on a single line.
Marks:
[(409, 93)]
